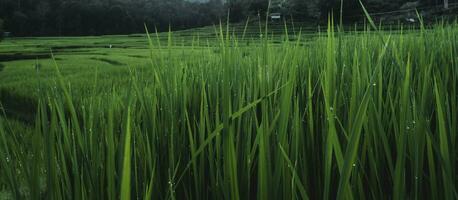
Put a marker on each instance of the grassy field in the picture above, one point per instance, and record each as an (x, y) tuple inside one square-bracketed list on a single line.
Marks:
[(225, 113)]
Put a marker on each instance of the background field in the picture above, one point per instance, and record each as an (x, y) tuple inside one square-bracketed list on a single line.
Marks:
[(27, 62)]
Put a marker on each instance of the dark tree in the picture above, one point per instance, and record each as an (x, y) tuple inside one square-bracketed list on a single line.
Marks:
[(258, 6), (1, 29), (19, 23), (299, 10), (237, 10)]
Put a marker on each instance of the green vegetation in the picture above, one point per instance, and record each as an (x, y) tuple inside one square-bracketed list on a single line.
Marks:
[(355, 115)]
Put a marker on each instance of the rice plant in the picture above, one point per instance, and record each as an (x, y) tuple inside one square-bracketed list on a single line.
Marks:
[(353, 115)]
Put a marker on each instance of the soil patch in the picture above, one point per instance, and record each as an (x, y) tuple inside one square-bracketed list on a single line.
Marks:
[(20, 56), (18, 107), (137, 56), (111, 62)]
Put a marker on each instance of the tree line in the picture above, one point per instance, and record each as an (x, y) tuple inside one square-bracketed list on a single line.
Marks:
[(98, 17), (1, 29)]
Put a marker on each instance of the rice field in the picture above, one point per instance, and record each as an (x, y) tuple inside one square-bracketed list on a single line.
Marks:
[(342, 114)]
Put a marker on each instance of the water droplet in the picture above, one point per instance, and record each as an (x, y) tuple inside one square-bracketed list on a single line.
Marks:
[(374, 84), (331, 108), (354, 164)]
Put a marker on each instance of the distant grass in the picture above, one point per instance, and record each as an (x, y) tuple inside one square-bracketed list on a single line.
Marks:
[(357, 115)]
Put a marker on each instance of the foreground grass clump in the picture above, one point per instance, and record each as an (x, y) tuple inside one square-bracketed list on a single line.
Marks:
[(349, 116)]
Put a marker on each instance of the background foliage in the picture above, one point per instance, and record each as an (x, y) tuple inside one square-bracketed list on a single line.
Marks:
[(97, 17), (1, 29)]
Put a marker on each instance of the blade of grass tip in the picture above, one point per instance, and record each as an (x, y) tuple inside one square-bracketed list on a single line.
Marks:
[(37, 146), (420, 19), (332, 145), (432, 168), (149, 193), (169, 38), (151, 46), (371, 22), (399, 177), (50, 153), (8, 125), (259, 25), (264, 169), (70, 145), (193, 150), (158, 39), (203, 129), (443, 141), (69, 101), (220, 127), (268, 13), (230, 167), (5, 162), (126, 171), (150, 41), (245, 28), (111, 157), (227, 28), (207, 142), (298, 183), (221, 37), (286, 30), (341, 15), (240, 112), (352, 146)]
